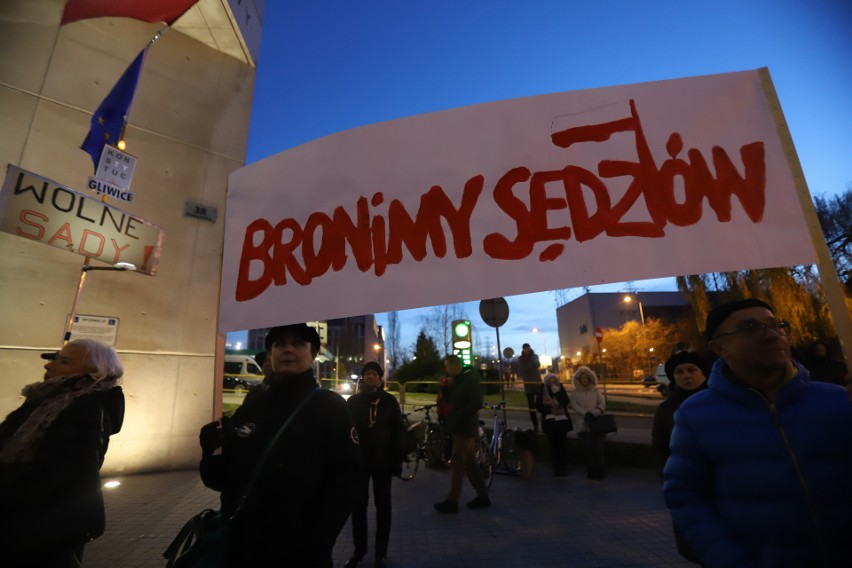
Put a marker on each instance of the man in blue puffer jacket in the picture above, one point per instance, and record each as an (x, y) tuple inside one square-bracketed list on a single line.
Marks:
[(760, 472)]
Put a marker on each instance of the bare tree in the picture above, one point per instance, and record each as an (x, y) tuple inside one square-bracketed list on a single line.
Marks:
[(835, 217), (393, 340), (437, 323), (793, 291)]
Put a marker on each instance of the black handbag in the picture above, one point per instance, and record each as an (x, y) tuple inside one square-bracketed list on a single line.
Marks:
[(603, 424), (205, 540)]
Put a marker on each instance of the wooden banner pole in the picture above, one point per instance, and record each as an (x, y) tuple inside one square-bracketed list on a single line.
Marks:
[(834, 296)]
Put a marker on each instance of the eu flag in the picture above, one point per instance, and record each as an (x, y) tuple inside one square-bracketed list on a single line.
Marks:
[(109, 119)]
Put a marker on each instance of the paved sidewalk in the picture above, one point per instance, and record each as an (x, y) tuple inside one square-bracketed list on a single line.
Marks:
[(544, 522)]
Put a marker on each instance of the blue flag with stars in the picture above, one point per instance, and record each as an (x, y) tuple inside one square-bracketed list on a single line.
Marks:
[(108, 121)]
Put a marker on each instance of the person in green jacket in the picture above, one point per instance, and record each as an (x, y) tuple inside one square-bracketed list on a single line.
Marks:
[(464, 398)]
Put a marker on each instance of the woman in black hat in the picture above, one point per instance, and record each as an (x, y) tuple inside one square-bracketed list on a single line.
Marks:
[(300, 502), (687, 372), (378, 421)]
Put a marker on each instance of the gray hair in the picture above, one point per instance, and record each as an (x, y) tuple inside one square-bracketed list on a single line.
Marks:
[(101, 359)]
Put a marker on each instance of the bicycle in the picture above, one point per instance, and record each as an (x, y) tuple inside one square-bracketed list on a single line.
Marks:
[(484, 457), (428, 448), (502, 447)]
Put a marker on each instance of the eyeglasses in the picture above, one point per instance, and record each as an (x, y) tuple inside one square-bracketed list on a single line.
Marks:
[(756, 329)]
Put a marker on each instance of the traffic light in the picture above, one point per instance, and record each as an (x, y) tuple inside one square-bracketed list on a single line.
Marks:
[(462, 342)]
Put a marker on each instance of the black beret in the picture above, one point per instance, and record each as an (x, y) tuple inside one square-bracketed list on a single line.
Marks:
[(719, 314), (372, 366), (685, 357), (300, 331)]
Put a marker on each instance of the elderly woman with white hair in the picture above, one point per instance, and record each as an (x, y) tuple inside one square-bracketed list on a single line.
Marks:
[(588, 401), (51, 451)]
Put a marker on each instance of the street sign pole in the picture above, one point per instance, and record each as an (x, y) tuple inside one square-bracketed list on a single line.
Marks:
[(495, 312), (599, 339)]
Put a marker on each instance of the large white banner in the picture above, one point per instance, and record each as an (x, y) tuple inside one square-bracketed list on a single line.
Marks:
[(553, 191)]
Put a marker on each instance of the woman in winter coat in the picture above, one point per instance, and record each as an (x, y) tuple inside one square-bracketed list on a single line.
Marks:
[(553, 403), (687, 373), (378, 420), (51, 451), (588, 401)]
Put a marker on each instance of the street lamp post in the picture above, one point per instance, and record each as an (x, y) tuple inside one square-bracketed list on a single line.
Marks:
[(119, 266), (628, 299), (543, 338)]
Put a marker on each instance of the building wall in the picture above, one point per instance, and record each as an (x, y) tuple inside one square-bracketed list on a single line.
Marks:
[(188, 129), (353, 341), (578, 319)]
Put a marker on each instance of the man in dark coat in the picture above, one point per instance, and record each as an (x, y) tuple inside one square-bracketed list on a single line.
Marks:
[(378, 419), (302, 499), (528, 367), (761, 460), (464, 398)]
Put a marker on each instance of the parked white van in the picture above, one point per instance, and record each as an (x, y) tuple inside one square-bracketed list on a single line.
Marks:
[(242, 365), (241, 373)]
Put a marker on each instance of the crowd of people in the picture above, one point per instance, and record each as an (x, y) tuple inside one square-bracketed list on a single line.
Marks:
[(753, 447)]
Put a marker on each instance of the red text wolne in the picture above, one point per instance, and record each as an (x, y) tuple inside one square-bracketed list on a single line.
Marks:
[(302, 252)]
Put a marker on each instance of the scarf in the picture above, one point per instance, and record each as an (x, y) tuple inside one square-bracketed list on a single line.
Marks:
[(373, 395), (45, 400), (561, 398)]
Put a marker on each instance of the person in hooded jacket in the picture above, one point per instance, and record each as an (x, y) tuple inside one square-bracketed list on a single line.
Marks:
[(687, 372), (588, 401), (463, 394), (378, 420), (300, 502), (553, 403), (51, 451)]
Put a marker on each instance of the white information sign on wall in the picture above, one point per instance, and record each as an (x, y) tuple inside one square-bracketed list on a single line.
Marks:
[(99, 328)]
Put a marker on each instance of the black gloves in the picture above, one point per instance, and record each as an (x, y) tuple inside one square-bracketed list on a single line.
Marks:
[(589, 416), (210, 438)]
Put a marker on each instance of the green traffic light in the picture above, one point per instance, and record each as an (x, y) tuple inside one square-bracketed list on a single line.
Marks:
[(462, 329)]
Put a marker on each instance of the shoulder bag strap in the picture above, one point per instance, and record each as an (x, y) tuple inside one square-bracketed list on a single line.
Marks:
[(258, 469)]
